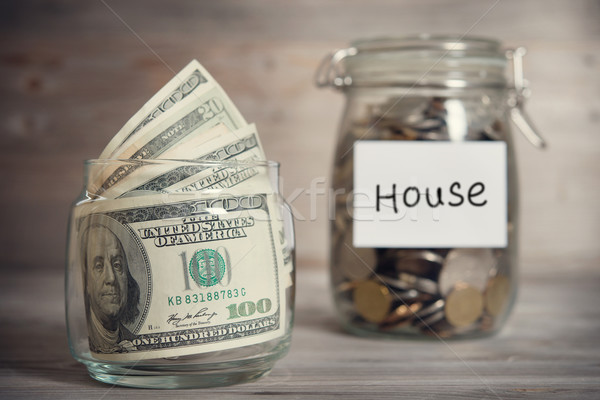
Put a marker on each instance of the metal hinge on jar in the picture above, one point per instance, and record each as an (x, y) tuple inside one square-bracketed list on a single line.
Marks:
[(516, 100)]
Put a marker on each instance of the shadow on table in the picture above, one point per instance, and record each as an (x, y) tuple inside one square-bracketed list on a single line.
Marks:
[(318, 319)]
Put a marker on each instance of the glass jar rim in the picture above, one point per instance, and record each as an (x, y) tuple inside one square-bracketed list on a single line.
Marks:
[(427, 41), (425, 60), (166, 161)]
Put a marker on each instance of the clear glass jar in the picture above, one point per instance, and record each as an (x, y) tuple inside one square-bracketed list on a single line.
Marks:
[(180, 289), (415, 91)]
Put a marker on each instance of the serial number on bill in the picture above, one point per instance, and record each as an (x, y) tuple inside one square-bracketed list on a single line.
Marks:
[(205, 297)]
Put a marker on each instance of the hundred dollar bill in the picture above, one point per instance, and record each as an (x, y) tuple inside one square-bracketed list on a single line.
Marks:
[(244, 146), (218, 145), (211, 109), (172, 275), (150, 169), (190, 81)]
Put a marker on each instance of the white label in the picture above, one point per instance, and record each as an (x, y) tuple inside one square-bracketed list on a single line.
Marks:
[(430, 194)]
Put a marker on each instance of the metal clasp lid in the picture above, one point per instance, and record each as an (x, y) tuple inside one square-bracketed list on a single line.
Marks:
[(330, 72), (516, 101)]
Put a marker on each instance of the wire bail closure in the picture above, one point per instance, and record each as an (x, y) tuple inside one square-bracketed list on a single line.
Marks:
[(330, 73), (518, 94)]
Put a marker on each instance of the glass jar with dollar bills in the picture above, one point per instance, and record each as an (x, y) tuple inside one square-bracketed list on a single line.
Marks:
[(184, 281), (424, 240)]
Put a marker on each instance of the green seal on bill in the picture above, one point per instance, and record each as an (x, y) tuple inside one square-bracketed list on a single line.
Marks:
[(207, 267)]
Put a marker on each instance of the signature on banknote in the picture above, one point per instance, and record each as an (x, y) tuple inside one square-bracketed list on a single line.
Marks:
[(203, 316)]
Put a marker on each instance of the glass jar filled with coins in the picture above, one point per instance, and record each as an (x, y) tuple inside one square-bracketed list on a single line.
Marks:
[(424, 240)]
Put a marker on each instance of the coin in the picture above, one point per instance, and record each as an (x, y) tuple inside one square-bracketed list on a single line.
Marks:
[(471, 266), (399, 133), (488, 323), (422, 263), (464, 305), (372, 301), (406, 281), (403, 294), (401, 315), (345, 287), (426, 323), (432, 308), (496, 295)]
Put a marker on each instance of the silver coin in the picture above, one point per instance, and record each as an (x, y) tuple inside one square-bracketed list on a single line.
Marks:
[(471, 266), (406, 281), (427, 322), (432, 308), (423, 263)]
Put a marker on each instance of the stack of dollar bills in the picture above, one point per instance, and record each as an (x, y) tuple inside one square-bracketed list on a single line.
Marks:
[(182, 242)]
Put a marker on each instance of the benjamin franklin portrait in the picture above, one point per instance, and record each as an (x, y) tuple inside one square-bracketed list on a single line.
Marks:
[(112, 295)]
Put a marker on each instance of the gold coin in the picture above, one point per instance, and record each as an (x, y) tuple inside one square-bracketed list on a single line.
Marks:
[(402, 314), (464, 305), (372, 301), (496, 295)]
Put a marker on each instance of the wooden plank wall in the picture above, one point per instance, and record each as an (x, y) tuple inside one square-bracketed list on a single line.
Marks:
[(72, 72)]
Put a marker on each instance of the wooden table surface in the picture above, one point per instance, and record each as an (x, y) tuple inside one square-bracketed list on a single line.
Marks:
[(549, 349)]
